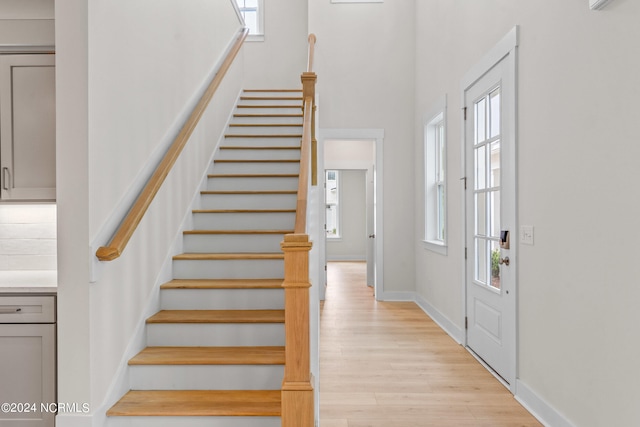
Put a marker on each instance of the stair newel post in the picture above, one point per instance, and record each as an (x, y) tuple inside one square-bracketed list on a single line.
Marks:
[(297, 389)]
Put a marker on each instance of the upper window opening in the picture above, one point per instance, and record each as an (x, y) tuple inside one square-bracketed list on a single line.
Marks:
[(253, 13)]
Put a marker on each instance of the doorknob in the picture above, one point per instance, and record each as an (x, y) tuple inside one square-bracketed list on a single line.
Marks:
[(504, 261), (372, 236)]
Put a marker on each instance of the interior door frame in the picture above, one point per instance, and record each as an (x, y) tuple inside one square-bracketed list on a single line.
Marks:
[(505, 49), (377, 136)]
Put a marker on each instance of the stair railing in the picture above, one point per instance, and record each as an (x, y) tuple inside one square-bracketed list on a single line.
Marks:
[(297, 388), (131, 221)]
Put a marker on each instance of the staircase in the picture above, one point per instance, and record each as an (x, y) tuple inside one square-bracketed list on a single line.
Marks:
[(215, 354)]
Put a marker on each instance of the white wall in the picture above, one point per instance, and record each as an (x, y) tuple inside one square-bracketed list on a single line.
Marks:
[(365, 66), (577, 154), (352, 243), (278, 61), (124, 92)]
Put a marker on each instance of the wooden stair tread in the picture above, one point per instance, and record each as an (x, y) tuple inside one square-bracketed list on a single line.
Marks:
[(253, 175), (249, 192), (270, 98), (239, 232), (270, 135), (209, 356), (197, 256), (243, 210), (198, 403), (268, 125), (244, 147), (256, 161), (217, 316), (270, 106), (223, 284)]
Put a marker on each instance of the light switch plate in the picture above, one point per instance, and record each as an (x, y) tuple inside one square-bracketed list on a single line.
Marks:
[(526, 234)]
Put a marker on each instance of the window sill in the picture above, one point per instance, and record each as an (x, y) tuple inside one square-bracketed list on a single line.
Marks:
[(434, 246), (255, 38)]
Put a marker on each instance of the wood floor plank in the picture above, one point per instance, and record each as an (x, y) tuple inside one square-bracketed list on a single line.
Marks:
[(387, 364)]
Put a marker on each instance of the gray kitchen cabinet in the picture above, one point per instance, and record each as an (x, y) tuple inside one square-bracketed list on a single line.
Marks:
[(27, 127), (27, 361)]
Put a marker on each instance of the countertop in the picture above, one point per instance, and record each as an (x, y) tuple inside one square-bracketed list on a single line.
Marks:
[(26, 282)]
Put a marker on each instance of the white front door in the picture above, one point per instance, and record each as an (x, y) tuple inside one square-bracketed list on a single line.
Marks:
[(490, 215)]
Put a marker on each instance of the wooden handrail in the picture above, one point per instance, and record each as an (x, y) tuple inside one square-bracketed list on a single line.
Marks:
[(129, 224)]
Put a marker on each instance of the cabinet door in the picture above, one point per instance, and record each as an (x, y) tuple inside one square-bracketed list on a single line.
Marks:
[(27, 127), (27, 374)]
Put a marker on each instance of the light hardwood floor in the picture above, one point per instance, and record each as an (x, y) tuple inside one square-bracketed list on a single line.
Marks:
[(387, 364)]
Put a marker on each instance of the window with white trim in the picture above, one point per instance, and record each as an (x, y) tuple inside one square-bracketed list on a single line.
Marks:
[(435, 189), (253, 13), (332, 199)]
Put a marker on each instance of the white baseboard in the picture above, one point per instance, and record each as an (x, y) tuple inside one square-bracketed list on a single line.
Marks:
[(354, 258), (74, 420), (399, 296), (539, 408), (447, 325)]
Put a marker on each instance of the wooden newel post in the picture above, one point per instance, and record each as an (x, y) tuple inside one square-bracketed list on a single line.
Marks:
[(297, 389)]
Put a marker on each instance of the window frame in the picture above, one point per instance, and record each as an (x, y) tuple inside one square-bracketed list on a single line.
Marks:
[(435, 180), (259, 35), (338, 235)]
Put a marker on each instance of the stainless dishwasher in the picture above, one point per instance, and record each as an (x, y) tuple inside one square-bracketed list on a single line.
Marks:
[(27, 360)]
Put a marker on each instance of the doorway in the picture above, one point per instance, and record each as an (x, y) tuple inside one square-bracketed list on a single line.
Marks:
[(490, 210), (357, 155)]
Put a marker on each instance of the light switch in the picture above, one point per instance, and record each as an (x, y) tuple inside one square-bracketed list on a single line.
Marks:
[(526, 234)]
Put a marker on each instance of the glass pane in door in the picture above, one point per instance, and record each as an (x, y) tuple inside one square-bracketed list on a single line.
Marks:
[(487, 157)]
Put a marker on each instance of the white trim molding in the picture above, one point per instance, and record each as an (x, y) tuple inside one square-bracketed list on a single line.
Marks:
[(539, 408)]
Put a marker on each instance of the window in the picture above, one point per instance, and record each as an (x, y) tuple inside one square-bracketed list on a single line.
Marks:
[(435, 159), (332, 199), (253, 13)]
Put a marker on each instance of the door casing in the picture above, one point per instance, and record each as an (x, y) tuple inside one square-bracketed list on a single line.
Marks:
[(504, 50), (377, 136)]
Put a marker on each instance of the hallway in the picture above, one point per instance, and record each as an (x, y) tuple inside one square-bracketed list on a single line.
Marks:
[(389, 365)]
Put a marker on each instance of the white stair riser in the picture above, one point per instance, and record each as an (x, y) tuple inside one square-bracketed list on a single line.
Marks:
[(244, 154), (255, 167), (262, 142), (241, 243), (257, 184), (193, 422), (286, 102), (265, 130), (206, 377), (274, 92), (244, 221), (222, 299), (215, 334), (273, 119), (253, 109), (227, 269), (248, 201)]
